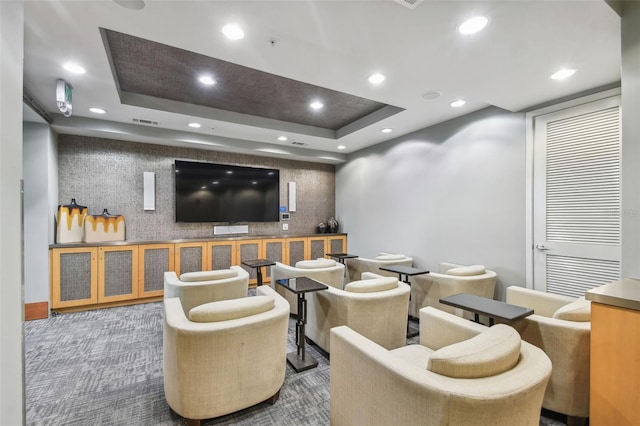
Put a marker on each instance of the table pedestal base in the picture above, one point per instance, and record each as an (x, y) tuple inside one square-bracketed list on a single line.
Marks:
[(299, 364)]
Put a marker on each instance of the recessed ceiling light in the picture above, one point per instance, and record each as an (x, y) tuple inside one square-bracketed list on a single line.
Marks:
[(97, 110), (131, 4), (74, 68), (233, 32), (316, 105), (458, 103), (376, 78), (342, 147), (473, 25), (206, 79), (387, 130), (215, 182), (432, 94), (282, 138), (195, 125), (562, 74)]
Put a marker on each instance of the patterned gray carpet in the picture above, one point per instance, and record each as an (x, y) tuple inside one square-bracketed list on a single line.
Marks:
[(104, 367)]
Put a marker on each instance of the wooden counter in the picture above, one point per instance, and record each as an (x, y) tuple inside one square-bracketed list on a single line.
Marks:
[(615, 354), (88, 276)]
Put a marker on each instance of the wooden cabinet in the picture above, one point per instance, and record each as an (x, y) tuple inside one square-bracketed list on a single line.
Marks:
[(247, 250), (336, 244), (191, 257), (115, 274), (316, 247), (77, 268), (273, 249), (296, 250), (153, 261), (615, 366)]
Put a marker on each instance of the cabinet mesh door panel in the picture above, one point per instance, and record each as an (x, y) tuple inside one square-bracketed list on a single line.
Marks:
[(221, 257), (317, 249), (190, 259), (118, 274), (156, 263), (336, 246), (583, 198), (273, 251), (75, 276), (249, 252), (296, 252)]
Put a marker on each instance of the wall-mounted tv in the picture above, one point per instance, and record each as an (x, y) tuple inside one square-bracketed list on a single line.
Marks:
[(207, 192)]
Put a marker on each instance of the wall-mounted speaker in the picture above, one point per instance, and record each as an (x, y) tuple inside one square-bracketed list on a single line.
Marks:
[(292, 196), (149, 184)]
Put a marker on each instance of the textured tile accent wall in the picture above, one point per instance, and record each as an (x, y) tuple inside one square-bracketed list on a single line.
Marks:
[(103, 173)]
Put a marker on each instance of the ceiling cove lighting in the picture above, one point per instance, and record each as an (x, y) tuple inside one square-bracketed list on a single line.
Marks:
[(97, 110), (206, 80), (387, 130), (282, 138), (473, 25), (376, 78), (233, 32), (74, 68), (562, 74), (195, 125), (316, 105), (458, 103)]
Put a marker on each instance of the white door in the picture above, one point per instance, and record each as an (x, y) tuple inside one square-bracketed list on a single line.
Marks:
[(576, 198)]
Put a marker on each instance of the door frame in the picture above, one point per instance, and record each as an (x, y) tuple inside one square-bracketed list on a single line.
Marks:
[(529, 168)]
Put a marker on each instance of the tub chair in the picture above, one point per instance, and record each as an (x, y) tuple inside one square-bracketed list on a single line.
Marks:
[(375, 307), (461, 374), (196, 288), (326, 271), (428, 289), (561, 327), (221, 357), (358, 265)]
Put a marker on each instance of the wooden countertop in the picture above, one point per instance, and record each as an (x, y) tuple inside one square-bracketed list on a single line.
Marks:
[(624, 293), (192, 240)]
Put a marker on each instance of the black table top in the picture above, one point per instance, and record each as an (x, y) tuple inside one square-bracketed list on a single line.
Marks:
[(301, 285), (489, 307), (406, 270), (341, 255), (257, 263)]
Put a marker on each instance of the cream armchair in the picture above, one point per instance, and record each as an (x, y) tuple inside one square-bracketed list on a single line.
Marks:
[(461, 373), (560, 326), (376, 307), (224, 356), (428, 289), (326, 271), (356, 266), (196, 288)]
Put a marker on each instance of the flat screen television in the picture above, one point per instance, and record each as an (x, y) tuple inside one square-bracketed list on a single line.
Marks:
[(207, 192)]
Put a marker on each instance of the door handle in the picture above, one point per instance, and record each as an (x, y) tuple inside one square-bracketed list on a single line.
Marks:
[(541, 247)]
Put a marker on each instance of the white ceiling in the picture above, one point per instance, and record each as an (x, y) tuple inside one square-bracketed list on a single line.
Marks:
[(334, 44)]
